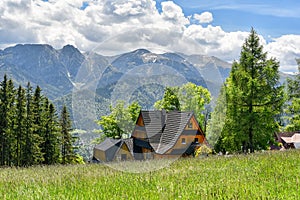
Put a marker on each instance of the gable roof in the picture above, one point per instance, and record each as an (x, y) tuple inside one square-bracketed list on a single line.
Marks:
[(110, 147), (129, 143), (294, 139), (282, 135), (164, 128)]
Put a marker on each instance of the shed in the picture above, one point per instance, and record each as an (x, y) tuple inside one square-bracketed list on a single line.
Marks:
[(113, 150)]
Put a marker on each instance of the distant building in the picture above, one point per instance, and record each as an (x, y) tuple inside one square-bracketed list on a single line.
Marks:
[(157, 134), (289, 139)]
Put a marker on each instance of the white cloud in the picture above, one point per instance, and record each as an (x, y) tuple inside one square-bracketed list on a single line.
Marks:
[(116, 26), (205, 17), (285, 49), (173, 12)]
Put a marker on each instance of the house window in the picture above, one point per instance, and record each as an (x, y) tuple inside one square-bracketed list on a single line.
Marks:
[(196, 140), (190, 125), (123, 157), (183, 141)]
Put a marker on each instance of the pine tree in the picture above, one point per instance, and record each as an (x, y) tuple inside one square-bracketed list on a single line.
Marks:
[(7, 100), (20, 127), (28, 148), (38, 128), (67, 151), (254, 97), (50, 146), (29, 127)]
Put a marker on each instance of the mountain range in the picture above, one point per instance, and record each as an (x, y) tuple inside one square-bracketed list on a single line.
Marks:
[(89, 82)]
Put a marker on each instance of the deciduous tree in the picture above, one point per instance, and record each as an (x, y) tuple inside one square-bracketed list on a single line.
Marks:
[(120, 121), (188, 97)]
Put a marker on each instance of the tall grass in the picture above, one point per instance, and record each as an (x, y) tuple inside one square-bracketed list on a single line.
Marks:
[(271, 175)]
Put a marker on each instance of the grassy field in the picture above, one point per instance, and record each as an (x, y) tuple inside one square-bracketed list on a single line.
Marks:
[(269, 175)]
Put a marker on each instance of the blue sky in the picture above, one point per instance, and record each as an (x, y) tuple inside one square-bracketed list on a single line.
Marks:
[(271, 18), (208, 27)]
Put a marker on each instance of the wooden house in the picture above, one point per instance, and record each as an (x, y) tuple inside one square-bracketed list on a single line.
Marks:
[(113, 150), (161, 134)]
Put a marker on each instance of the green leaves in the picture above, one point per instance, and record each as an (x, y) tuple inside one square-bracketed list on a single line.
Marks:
[(170, 100), (120, 121), (188, 97), (253, 97)]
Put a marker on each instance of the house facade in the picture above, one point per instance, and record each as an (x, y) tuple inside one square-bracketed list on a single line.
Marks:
[(161, 134), (157, 134)]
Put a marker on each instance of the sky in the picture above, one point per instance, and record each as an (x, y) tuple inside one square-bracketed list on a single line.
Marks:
[(110, 27)]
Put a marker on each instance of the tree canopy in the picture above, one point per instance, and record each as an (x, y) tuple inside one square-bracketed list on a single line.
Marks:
[(254, 97), (120, 121), (188, 97)]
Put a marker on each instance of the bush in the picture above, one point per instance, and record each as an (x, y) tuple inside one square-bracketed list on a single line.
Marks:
[(203, 150)]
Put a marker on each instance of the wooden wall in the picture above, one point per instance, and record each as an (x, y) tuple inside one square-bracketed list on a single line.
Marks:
[(100, 155), (123, 150)]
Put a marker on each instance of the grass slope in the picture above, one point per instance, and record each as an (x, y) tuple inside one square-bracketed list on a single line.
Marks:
[(270, 175)]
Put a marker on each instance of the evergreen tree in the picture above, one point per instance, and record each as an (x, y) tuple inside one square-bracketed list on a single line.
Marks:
[(7, 99), (11, 140), (67, 151), (20, 126), (50, 147), (37, 126), (29, 128), (254, 97), (28, 148)]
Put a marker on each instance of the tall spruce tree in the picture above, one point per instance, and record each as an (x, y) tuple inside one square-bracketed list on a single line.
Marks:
[(7, 99), (28, 134), (38, 128), (50, 147), (254, 97), (29, 128), (20, 127), (67, 150)]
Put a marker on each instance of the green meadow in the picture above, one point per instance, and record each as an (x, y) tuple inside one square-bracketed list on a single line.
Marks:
[(268, 175)]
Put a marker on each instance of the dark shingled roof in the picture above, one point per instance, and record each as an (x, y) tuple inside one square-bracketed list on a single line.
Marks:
[(129, 143), (164, 128), (110, 147)]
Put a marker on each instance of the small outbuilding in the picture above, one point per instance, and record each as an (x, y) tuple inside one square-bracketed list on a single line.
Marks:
[(113, 150)]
